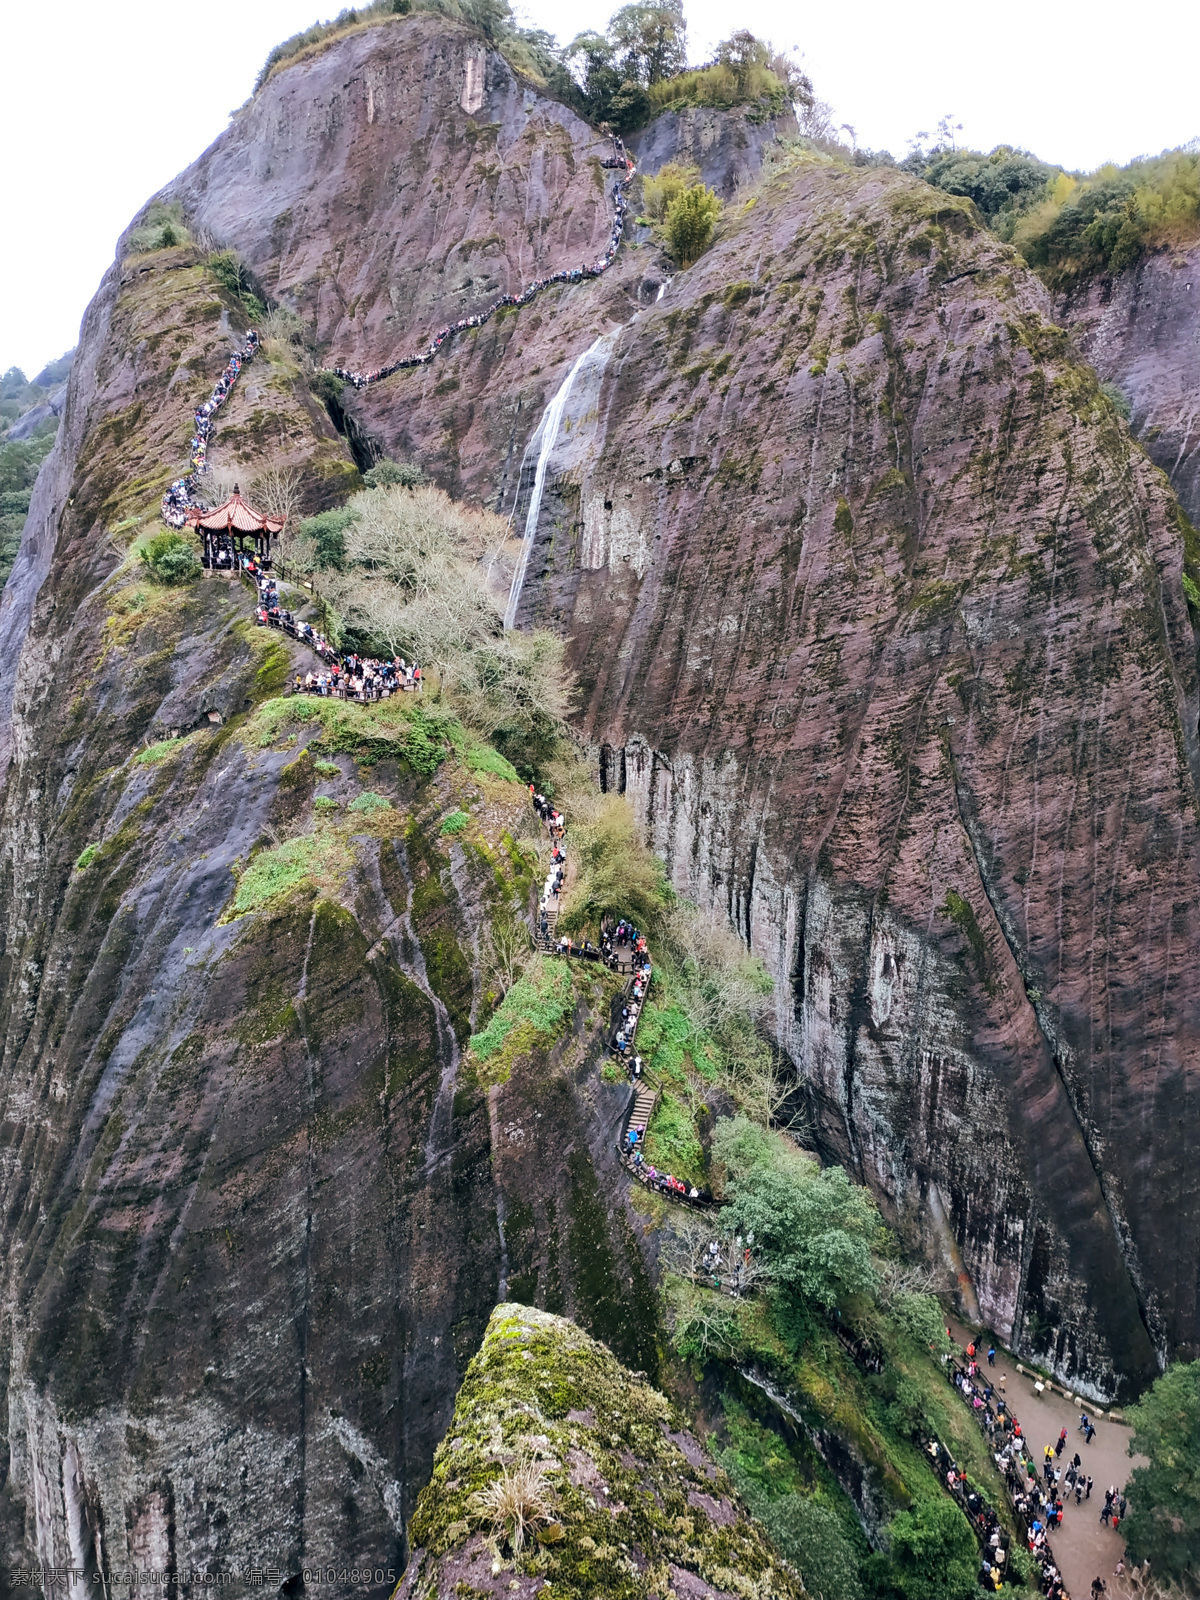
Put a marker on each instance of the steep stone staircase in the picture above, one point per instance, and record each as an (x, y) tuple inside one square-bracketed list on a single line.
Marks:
[(644, 1101)]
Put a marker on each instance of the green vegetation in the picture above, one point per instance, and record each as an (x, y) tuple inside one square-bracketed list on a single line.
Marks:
[(455, 823), (813, 1228), (403, 728), (20, 459), (311, 859), (666, 185), (171, 558), (154, 753), (813, 1539), (933, 1556), (1163, 1524), (227, 267), (387, 474), (322, 540), (163, 226), (690, 220), (86, 856), (369, 801), (1069, 226), (482, 758), (530, 1017), (745, 72), (615, 873)]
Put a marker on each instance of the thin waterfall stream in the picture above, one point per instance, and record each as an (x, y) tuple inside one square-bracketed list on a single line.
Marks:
[(544, 439)]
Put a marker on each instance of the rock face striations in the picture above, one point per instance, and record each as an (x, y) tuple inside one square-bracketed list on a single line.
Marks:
[(1141, 330), (879, 618)]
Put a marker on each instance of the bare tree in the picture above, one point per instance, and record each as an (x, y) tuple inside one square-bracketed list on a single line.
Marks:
[(509, 948), (278, 490), (710, 1255)]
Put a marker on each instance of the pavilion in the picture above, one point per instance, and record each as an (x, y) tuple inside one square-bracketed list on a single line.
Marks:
[(233, 530)]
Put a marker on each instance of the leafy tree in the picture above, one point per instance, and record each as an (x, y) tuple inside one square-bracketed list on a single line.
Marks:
[(1002, 183), (616, 875), (1164, 1516), (667, 184), (812, 1226), (322, 540), (650, 41), (810, 1535), (386, 474), (691, 218), (170, 558), (933, 1554)]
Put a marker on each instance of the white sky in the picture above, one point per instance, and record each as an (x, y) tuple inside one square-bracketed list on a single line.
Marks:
[(105, 100)]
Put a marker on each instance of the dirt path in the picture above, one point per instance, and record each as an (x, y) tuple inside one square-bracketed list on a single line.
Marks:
[(1084, 1547)]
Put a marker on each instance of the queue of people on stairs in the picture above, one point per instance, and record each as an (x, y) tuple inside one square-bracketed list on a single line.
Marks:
[(346, 675), (620, 161)]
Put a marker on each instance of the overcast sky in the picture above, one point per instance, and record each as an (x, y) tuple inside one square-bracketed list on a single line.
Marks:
[(104, 102)]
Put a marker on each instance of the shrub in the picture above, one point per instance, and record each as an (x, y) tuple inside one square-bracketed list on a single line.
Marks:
[(390, 474), (86, 856), (163, 227), (323, 802), (321, 540), (171, 558), (327, 769), (690, 220), (667, 184), (233, 275), (616, 874), (933, 1553), (455, 822), (810, 1536), (1117, 400), (368, 801)]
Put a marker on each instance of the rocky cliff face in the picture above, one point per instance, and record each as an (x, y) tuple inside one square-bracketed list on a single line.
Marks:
[(631, 1503), (878, 613), (256, 1210), (879, 616), (1141, 331)]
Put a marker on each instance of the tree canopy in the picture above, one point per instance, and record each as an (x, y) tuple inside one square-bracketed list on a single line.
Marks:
[(1164, 1497)]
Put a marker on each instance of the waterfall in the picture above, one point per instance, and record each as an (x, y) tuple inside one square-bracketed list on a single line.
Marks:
[(543, 443)]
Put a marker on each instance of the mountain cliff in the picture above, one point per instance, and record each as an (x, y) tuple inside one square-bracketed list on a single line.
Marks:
[(879, 615), (1141, 331)]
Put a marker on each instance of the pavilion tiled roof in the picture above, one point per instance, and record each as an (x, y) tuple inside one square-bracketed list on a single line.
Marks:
[(235, 516)]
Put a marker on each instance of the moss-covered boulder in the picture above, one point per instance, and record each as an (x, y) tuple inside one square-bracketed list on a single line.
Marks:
[(618, 1498)]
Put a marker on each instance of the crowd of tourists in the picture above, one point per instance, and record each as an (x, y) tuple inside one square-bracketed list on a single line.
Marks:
[(1035, 1504), (181, 495), (346, 674), (620, 161), (624, 943), (1040, 1494)]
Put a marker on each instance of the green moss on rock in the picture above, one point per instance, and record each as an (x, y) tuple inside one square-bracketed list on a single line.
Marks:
[(638, 1507)]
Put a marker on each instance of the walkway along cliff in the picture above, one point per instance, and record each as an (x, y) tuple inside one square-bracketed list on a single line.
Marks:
[(878, 612)]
